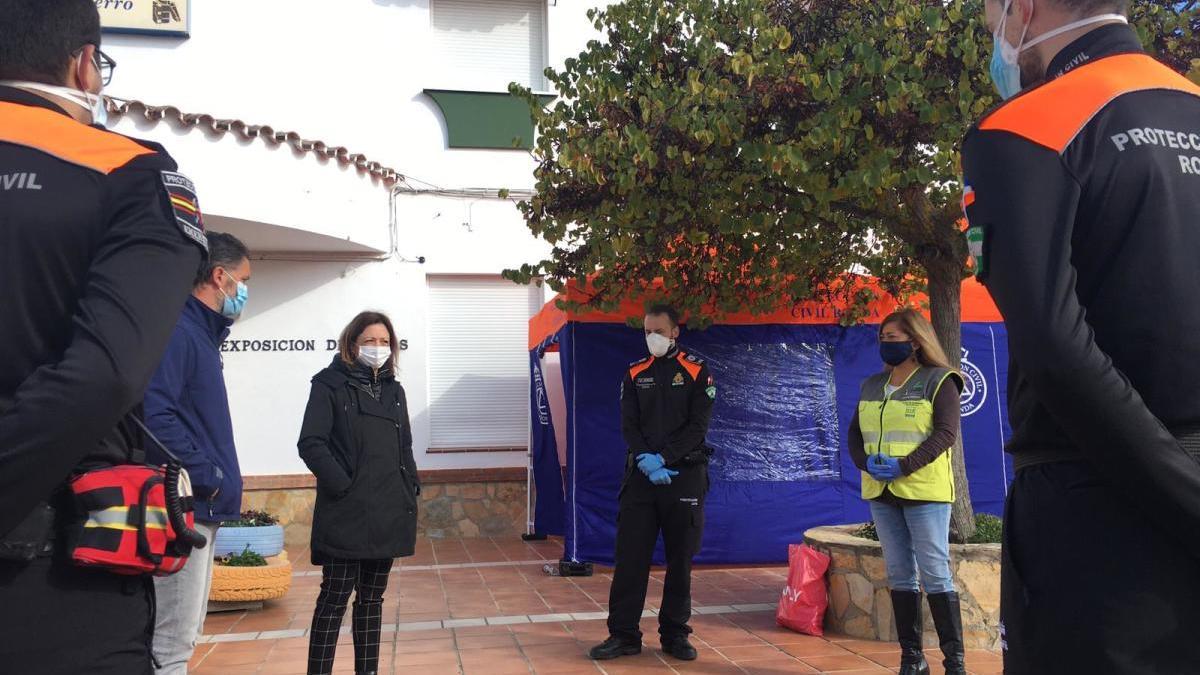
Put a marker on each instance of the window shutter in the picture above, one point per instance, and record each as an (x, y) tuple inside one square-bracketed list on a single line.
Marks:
[(486, 44), (479, 362)]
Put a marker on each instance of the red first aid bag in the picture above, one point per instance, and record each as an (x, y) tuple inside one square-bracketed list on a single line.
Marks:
[(127, 528), (805, 598)]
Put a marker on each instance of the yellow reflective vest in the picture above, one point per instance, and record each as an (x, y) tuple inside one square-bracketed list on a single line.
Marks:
[(896, 425)]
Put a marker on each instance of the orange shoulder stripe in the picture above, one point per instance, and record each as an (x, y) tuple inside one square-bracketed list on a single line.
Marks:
[(692, 368), (640, 368), (58, 135), (1053, 115)]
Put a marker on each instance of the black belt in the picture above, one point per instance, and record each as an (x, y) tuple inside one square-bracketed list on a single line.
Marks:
[(1188, 437)]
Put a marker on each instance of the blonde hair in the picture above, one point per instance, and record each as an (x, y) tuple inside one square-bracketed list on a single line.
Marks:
[(929, 352)]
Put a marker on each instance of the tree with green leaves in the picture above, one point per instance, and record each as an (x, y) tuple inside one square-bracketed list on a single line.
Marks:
[(731, 155)]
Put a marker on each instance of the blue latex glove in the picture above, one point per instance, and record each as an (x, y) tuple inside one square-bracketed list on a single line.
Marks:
[(873, 470), (884, 468), (662, 476), (648, 462)]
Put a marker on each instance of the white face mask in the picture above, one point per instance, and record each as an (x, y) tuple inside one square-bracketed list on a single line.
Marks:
[(94, 103), (374, 357), (658, 344)]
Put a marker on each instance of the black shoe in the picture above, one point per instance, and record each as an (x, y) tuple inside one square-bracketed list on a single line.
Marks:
[(947, 618), (906, 605), (614, 647), (680, 648)]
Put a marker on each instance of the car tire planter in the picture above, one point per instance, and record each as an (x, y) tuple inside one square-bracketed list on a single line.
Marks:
[(246, 584), (266, 540)]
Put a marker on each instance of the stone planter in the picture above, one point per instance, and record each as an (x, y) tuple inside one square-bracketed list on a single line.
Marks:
[(860, 604), (252, 584), (266, 540)]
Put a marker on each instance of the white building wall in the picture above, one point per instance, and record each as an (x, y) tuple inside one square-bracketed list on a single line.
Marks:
[(349, 73)]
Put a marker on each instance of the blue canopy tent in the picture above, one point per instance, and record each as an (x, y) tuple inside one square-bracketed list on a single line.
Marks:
[(787, 388)]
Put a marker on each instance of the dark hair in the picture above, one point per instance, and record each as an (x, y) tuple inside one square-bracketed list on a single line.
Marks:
[(39, 37), (224, 250), (348, 342), (667, 311)]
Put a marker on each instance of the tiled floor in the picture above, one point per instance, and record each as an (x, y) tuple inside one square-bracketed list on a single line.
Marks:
[(485, 606)]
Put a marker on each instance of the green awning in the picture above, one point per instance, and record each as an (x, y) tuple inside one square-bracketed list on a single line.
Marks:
[(477, 119)]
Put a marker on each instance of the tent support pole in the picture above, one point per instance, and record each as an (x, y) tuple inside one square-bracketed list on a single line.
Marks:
[(529, 535)]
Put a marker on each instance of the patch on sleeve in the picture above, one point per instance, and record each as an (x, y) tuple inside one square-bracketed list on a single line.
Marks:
[(975, 234), (977, 246), (711, 391), (184, 204), (968, 198)]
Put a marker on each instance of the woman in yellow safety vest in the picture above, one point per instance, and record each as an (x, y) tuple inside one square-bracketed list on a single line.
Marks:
[(900, 438)]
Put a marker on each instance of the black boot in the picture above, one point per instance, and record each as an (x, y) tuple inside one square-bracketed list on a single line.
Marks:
[(614, 647), (906, 605), (947, 618), (680, 648)]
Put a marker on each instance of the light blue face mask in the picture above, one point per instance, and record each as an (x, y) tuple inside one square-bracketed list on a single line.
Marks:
[(232, 307), (1006, 65)]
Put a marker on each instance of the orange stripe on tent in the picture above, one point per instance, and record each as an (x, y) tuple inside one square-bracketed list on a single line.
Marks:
[(977, 307), (71, 141), (1053, 114), (545, 323)]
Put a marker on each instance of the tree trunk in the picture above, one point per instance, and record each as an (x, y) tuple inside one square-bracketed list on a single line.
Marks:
[(945, 308)]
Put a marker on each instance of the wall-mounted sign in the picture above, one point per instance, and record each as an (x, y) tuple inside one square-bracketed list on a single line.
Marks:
[(148, 17), (287, 345)]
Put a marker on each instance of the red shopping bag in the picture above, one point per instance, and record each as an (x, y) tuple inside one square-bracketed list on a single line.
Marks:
[(804, 600)]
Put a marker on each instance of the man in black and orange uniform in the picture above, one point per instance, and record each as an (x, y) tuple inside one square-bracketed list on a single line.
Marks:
[(1084, 221), (99, 242), (666, 402)]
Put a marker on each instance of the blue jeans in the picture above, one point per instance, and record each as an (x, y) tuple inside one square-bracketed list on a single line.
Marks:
[(915, 538), (182, 601)]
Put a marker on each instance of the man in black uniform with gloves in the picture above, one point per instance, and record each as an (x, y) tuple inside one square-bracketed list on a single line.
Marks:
[(1083, 202), (99, 241), (666, 401)]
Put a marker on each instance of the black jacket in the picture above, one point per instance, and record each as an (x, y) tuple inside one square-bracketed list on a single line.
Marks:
[(97, 257), (666, 404), (1085, 213), (357, 441)]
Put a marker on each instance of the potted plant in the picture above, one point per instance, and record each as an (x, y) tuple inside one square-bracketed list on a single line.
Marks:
[(250, 577), (256, 531), (860, 605)]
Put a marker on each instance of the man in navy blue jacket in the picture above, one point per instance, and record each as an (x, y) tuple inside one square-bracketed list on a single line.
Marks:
[(187, 409)]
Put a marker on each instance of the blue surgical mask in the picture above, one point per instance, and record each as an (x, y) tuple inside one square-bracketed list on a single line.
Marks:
[(895, 353), (1006, 59), (1006, 66), (1006, 76), (232, 307)]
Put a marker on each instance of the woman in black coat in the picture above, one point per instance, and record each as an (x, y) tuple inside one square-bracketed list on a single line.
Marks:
[(357, 441)]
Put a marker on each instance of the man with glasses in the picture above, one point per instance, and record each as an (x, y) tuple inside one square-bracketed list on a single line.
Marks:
[(100, 239)]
